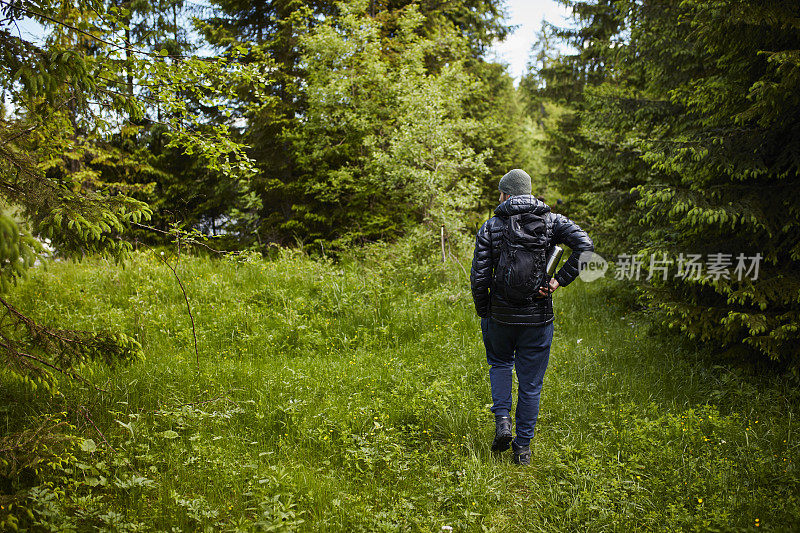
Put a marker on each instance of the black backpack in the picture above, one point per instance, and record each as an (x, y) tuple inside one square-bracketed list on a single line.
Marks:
[(522, 268)]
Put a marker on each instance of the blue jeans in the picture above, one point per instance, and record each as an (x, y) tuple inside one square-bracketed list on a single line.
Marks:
[(528, 349)]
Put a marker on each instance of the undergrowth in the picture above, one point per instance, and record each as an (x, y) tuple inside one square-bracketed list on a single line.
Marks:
[(353, 396)]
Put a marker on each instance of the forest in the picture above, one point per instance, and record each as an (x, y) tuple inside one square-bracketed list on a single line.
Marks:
[(235, 247)]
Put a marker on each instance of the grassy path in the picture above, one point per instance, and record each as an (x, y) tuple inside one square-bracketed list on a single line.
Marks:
[(354, 398)]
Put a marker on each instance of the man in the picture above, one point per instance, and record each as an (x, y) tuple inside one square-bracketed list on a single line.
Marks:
[(518, 333)]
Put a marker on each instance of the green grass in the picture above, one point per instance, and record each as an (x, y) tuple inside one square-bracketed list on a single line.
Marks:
[(354, 397)]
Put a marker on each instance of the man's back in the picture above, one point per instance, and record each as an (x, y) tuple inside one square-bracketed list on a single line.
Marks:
[(560, 230)]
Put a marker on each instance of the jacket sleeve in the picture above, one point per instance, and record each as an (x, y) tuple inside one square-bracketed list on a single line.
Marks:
[(567, 232), (481, 273)]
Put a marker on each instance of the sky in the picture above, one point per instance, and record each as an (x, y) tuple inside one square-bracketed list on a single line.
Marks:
[(527, 15)]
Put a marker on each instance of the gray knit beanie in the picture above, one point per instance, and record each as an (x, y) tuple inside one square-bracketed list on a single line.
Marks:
[(516, 183)]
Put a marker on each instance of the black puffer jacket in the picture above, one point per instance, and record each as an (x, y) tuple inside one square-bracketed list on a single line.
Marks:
[(560, 230)]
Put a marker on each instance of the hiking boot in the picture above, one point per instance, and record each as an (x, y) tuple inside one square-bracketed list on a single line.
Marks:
[(502, 433), (522, 454)]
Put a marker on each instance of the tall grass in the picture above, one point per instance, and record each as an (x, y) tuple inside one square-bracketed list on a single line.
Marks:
[(354, 397)]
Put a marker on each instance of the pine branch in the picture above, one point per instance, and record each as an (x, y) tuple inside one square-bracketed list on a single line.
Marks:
[(57, 349)]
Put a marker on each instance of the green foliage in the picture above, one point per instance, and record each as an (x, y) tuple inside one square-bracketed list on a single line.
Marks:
[(382, 142), (269, 32), (33, 350), (294, 166), (682, 138), (59, 149), (352, 397), (481, 22), (499, 128), (76, 95), (18, 250)]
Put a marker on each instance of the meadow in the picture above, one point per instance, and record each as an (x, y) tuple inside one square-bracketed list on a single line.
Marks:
[(353, 396)]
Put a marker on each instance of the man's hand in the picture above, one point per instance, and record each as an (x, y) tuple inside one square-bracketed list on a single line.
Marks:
[(544, 291)]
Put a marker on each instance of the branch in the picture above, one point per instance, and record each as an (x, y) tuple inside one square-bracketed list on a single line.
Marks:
[(458, 262), (189, 240), (36, 124), (73, 375), (66, 347), (85, 412), (85, 33), (188, 308)]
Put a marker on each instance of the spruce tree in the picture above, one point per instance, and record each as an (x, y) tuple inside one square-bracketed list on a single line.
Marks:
[(684, 139)]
